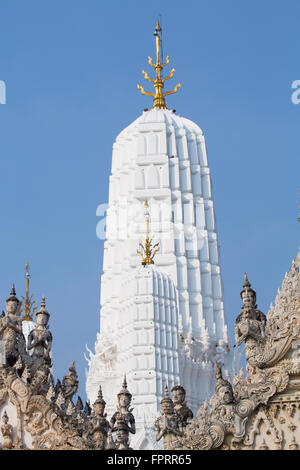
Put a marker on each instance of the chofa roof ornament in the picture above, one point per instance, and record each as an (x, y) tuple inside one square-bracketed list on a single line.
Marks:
[(158, 82)]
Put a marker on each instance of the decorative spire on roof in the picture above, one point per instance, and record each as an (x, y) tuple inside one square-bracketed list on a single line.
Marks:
[(124, 390), (247, 287), (12, 296), (28, 304), (158, 82), (246, 281), (149, 251), (100, 398), (44, 310), (220, 381), (166, 398)]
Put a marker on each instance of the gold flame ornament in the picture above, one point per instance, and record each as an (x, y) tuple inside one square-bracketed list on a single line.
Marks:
[(158, 82), (148, 251), (28, 307)]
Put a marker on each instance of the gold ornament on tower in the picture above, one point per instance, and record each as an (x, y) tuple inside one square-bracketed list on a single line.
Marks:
[(148, 251), (158, 82), (28, 304)]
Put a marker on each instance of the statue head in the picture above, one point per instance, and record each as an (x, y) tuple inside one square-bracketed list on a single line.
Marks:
[(167, 405), (70, 382), (223, 387), (99, 405), (72, 378), (12, 303), (124, 396), (248, 295), (42, 316), (122, 432), (178, 395), (40, 378)]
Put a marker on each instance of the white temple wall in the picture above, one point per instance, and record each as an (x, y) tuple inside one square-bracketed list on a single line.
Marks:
[(162, 158)]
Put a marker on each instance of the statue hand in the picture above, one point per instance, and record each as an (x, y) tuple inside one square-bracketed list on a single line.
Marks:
[(240, 340), (244, 328)]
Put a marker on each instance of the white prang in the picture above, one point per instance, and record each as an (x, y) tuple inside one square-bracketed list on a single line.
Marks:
[(163, 323)]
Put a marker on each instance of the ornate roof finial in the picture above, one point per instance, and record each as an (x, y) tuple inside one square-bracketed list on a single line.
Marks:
[(247, 286), (12, 296), (246, 282), (220, 381), (148, 252), (166, 398), (158, 82), (28, 302), (43, 302), (125, 382), (124, 390), (100, 394), (43, 310), (100, 398)]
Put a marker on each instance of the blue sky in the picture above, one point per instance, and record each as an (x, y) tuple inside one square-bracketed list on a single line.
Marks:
[(71, 69)]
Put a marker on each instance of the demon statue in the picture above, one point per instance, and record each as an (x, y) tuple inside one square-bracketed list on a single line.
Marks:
[(180, 407), (123, 411), (11, 333), (40, 339), (169, 425), (99, 426)]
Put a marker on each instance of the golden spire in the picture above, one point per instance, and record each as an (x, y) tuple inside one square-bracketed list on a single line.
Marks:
[(28, 307), (148, 252), (158, 83)]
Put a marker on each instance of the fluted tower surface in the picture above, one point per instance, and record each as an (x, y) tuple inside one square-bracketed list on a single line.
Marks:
[(172, 329), (162, 158)]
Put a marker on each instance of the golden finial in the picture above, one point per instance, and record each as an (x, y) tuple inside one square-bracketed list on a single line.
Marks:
[(28, 307), (148, 252), (158, 83)]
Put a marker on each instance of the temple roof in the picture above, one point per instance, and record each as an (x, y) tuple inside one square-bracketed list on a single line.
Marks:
[(161, 116)]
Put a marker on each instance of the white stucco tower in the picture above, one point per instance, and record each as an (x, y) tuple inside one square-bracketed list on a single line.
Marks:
[(160, 323)]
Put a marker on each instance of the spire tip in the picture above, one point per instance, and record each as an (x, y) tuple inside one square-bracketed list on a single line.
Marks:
[(158, 82)]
